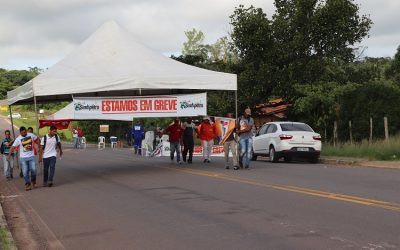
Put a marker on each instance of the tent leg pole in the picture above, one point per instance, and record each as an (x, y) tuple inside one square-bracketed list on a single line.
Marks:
[(36, 115), (13, 133), (12, 121), (236, 104)]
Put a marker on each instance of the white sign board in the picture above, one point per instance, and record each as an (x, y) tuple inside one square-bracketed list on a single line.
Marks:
[(126, 108)]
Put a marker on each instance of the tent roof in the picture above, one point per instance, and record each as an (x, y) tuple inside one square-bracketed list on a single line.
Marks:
[(111, 62)]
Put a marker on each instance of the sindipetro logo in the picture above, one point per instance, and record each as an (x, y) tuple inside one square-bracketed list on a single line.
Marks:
[(83, 106), (190, 104)]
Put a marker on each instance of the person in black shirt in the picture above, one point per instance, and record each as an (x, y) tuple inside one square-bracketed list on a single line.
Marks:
[(188, 139)]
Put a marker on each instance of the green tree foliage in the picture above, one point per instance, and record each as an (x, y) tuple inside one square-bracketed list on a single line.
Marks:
[(10, 79), (297, 44), (393, 71), (375, 100)]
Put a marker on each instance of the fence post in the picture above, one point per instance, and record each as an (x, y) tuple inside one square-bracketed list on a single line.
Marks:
[(351, 133), (335, 136), (385, 121), (371, 127)]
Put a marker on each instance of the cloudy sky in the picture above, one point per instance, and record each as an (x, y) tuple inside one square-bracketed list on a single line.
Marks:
[(41, 32)]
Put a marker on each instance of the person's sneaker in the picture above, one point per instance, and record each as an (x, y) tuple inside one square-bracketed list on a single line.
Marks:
[(50, 184), (180, 162), (28, 187), (226, 167), (33, 184), (205, 161), (11, 176), (44, 184), (8, 178), (235, 168), (247, 167), (208, 161)]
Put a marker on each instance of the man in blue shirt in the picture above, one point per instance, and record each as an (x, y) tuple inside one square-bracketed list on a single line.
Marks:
[(138, 136)]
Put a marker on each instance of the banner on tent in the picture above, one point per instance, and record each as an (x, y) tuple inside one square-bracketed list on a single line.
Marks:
[(126, 108)]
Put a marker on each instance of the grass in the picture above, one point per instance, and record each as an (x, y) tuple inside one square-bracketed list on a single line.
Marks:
[(378, 150), (4, 241)]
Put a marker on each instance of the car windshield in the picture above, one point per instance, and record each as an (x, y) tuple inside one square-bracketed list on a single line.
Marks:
[(296, 127)]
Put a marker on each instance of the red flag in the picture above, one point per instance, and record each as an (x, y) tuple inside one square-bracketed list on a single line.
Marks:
[(59, 124)]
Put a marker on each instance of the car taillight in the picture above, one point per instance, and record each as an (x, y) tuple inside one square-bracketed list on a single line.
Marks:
[(285, 137), (317, 137)]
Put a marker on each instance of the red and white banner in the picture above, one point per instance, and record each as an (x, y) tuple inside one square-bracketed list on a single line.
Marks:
[(59, 124), (127, 108)]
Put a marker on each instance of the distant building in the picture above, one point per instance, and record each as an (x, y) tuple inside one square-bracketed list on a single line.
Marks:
[(271, 111)]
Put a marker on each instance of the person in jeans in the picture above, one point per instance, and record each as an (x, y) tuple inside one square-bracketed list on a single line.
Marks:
[(189, 129), (230, 144), (207, 133), (175, 132), (245, 126), (25, 142), (48, 154), (75, 137), (5, 149)]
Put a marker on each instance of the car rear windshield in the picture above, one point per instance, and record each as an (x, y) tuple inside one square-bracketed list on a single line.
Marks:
[(296, 127)]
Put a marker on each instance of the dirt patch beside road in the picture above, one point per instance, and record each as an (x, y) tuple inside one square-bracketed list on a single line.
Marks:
[(25, 233)]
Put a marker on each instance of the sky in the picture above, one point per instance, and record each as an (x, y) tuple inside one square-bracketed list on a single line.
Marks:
[(39, 33)]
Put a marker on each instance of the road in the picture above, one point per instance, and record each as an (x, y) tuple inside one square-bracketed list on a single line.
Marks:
[(111, 199)]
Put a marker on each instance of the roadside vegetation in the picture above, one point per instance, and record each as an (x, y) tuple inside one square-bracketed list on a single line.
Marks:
[(5, 244), (377, 150)]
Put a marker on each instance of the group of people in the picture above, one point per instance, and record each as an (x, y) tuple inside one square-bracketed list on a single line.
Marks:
[(27, 146), (185, 134)]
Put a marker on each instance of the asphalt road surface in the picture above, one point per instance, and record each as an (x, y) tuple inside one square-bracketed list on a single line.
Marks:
[(111, 199)]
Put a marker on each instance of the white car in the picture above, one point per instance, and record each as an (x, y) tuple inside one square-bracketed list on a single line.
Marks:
[(287, 140), (15, 115)]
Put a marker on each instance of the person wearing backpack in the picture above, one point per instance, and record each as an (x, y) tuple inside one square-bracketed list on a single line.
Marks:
[(5, 149), (27, 158), (48, 155)]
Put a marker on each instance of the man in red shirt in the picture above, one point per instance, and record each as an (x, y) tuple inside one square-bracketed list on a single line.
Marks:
[(175, 133)]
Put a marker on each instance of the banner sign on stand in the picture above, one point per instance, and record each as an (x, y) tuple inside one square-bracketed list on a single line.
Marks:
[(126, 108)]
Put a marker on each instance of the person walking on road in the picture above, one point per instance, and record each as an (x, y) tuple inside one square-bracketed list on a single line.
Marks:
[(230, 145), (207, 133), (189, 129), (245, 126), (48, 155), (27, 158), (175, 132), (5, 149)]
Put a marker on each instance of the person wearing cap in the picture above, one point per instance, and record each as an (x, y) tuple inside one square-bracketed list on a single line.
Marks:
[(244, 128), (175, 132), (207, 133)]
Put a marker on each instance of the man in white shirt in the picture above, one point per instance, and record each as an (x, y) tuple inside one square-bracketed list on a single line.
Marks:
[(27, 158), (48, 153)]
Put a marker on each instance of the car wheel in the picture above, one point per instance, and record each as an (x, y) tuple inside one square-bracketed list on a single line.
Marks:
[(288, 159), (272, 154)]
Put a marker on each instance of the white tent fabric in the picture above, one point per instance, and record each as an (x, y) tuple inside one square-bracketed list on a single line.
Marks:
[(110, 62)]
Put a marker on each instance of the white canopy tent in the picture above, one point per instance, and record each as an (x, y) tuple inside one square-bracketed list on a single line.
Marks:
[(111, 62)]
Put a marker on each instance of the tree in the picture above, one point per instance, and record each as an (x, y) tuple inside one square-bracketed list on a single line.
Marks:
[(393, 71), (299, 41), (194, 45)]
